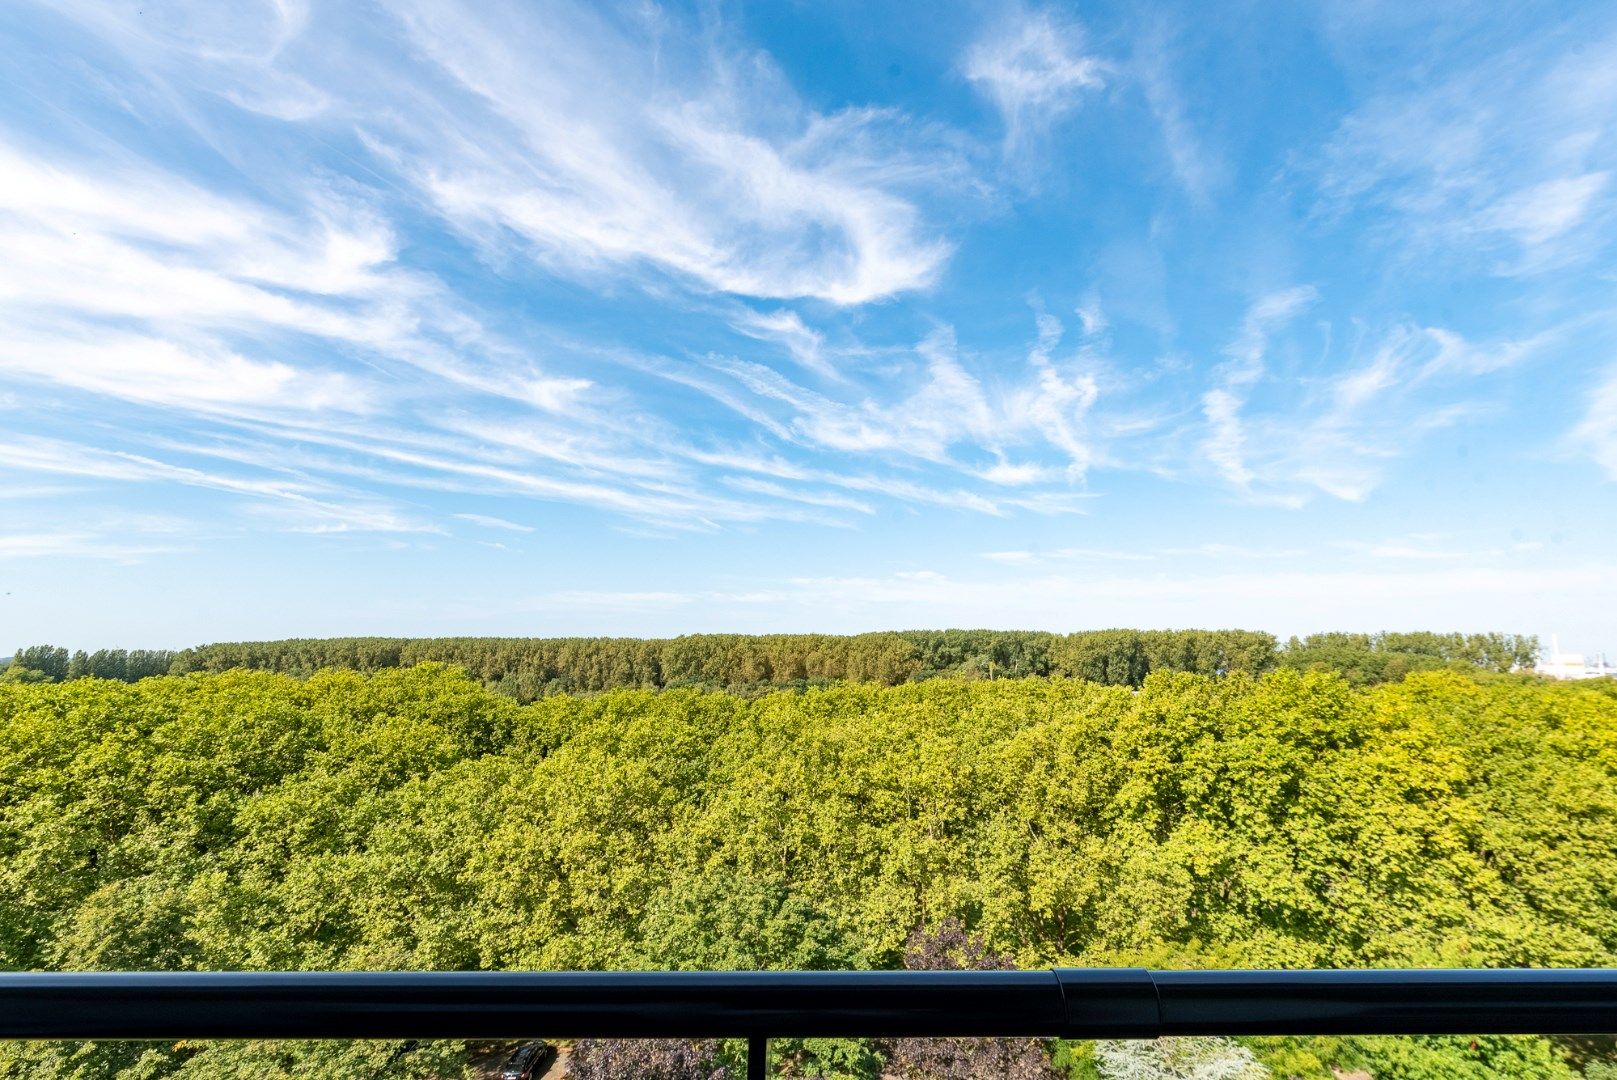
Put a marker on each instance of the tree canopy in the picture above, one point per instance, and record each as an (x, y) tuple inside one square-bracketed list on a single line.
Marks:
[(530, 668), (412, 819)]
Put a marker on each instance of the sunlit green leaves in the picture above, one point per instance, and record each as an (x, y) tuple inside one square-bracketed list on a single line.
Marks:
[(413, 819)]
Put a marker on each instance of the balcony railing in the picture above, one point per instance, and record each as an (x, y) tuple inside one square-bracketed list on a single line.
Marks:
[(1073, 1003)]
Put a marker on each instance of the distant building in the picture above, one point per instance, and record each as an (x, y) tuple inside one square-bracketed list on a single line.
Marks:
[(1560, 665)]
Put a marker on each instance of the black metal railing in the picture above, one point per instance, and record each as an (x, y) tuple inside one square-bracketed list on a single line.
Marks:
[(1075, 1003)]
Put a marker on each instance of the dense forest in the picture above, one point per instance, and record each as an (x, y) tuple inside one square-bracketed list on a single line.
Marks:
[(51, 663), (412, 818), (529, 668)]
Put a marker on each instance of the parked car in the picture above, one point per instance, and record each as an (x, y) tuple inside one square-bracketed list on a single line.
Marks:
[(528, 1061)]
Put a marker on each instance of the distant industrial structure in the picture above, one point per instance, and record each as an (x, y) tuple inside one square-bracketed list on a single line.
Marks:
[(1560, 665)]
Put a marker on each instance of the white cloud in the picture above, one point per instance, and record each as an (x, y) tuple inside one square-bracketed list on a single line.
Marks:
[(289, 331), (1456, 355), (318, 517), (297, 504), (1198, 170), (1336, 431), (162, 373), (1234, 551), (80, 530), (454, 469), (1406, 551), (924, 494), (1018, 473), (1091, 316), (64, 458), (948, 407), (285, 326), (76, 545), (127, 281), (1013, 558), (490, 522), (561, 134), (1263, 316), (1500, 160), (592, 447), (605, 146), (1390, 362), (951, 414), (812, 498), (1596, 434), (1541, 213), (1225, 445), (1067, 554), (227, 49), (35, 491), (1034, 68), (804, 344)]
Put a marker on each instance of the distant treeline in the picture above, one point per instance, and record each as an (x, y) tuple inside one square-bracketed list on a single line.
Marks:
[(1370, 659), (52, 663), (530, 668)]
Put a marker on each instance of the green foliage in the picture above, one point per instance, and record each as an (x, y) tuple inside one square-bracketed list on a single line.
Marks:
[(234, 1060), (16, 673), (51, 663), (1370, 659), (123, 665), (529, 668), (1074, 1059), (49, 660), (1491, 1057), (826, 1059), (412, 819)]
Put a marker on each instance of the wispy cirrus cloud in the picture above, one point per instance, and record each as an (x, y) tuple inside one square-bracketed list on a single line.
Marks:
[(78, 545), (129, 280), (947, 414), (258, 312), (1154, 66), (297, 502), (136, 285), (593, 159), (1225, 444), (551, 127), (1596, 433), (489, 521), (1507, 159), (1033, 66), (1208, 551), (1334, 428), (803, 343)]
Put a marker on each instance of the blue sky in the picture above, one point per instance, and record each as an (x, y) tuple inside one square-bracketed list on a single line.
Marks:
[(506, 318)]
